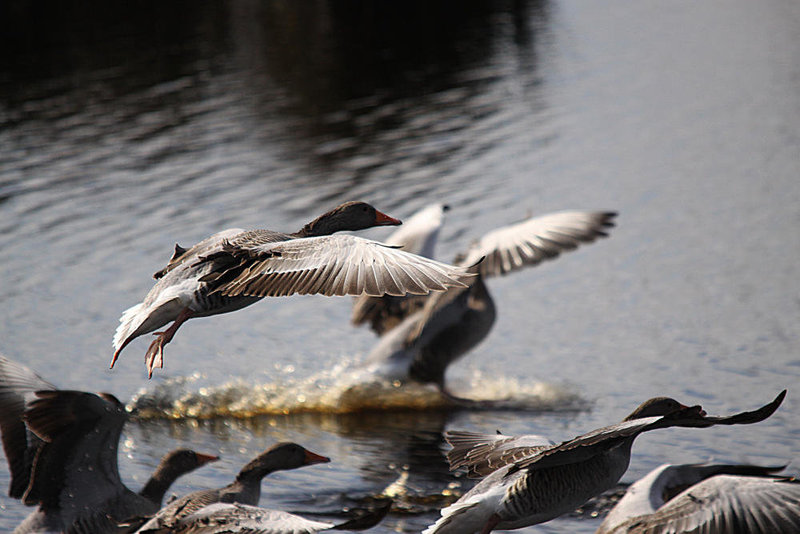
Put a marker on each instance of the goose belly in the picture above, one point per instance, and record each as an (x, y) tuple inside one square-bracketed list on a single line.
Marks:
[(204, 304)]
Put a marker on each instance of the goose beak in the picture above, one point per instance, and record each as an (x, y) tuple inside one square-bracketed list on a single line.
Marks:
[(381, 219), (697, 409), (203, 459), (312, 458)]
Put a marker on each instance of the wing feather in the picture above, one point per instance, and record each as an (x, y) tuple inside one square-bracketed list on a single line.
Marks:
[(77, 468), (230, 518), (537, 239), (482, 454), (337, 262), (723, 504), (18, 385)]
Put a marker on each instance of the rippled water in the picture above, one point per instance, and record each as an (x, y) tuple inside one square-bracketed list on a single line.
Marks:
[(125, 129)]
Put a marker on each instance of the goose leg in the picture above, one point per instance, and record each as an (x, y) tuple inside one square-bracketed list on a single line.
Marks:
[(155, 353)]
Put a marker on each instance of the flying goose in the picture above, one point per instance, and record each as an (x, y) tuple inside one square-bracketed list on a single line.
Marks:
[(235, 268), (541, 483)]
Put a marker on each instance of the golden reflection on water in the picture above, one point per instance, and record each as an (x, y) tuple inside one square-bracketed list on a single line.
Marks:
[(333, 393)]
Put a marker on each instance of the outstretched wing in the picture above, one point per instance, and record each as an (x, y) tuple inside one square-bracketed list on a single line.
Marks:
[(18, 385), (537, 239), (76, 469), (727, 503), (606, 438), (328, 265), (482, 454)]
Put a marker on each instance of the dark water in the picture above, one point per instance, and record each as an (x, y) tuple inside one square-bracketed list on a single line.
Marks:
[(126, 128)]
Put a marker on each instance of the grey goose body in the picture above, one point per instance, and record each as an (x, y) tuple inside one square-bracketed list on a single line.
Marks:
[(235, 268), (233, 518), (542, 482), (245, 489)]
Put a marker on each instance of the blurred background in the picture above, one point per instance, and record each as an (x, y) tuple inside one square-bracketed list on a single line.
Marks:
[(128, 127)]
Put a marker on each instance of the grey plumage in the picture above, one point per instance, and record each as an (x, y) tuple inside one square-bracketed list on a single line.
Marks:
[(235, 268), (246, 489), (550, 481), (708, 499)]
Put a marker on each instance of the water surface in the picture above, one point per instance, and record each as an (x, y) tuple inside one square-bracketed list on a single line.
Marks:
[(125, 129)]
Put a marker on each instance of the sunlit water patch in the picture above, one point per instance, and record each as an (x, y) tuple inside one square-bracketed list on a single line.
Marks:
[(340, 390)]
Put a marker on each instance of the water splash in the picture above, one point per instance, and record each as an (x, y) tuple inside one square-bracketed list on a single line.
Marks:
[(339, 391)]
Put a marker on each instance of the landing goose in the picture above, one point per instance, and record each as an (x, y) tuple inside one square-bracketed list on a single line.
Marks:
[(418, 235), (246, 489), (451, 323), (61, 448), (235, 268), (708, 499), (547, 482)]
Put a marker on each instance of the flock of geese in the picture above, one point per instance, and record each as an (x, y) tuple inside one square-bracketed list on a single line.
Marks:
[(61, 446)]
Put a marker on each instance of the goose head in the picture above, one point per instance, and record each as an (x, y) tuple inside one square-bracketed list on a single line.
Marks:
[(279, 457), (348, 216), (661, 406)]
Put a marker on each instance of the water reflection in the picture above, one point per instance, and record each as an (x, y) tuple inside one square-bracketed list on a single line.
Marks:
[(353, 89)]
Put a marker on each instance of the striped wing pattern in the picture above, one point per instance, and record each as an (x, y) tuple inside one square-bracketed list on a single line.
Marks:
[(534, 240), (482, 454), (724, 504), (329, 265)]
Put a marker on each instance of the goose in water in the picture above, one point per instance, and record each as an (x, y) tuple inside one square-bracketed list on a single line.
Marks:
[(541, 482), (451, 323), (235, 268), (232, 518), (246, 489), (61, 448), (708, 499)]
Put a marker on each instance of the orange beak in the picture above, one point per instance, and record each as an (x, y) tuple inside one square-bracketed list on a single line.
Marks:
[(203, 459), (312, 458), (381, 219)]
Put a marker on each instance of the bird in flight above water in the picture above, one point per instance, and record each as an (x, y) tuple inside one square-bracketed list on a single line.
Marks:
[(530, 482), (235, 268)]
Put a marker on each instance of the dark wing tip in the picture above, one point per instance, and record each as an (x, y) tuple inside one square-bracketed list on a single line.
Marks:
[(747, 418), (368, 517)]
